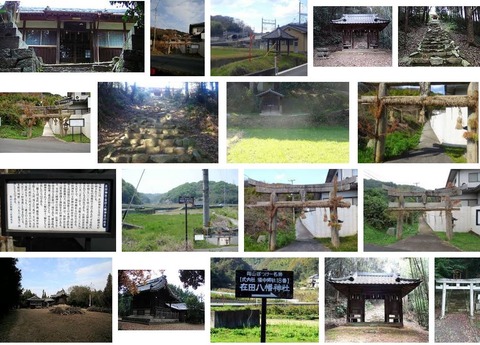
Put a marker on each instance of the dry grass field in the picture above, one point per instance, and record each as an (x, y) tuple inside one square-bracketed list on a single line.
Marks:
[(40, 325)]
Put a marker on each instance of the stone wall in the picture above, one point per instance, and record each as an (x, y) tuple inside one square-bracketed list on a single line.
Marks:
[(133, 54), (15, 55)]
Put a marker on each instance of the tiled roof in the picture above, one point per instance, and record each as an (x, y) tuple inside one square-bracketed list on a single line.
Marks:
[(153, 284), (178, 306), (278, 33), (366, 281), (373, 278), (361, 19), (41, 10), (270, 91)]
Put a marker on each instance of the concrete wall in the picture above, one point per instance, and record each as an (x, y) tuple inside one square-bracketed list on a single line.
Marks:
[(314, 222), (235, 318), (466, 220), (443, 124)]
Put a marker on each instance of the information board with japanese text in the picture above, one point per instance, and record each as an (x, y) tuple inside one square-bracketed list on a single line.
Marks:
[(264, 284), (57, 207)]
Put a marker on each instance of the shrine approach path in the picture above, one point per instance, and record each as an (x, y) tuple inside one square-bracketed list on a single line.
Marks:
[(456, 328)]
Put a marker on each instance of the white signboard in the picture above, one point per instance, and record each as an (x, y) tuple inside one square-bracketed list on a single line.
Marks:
[(57, 206)]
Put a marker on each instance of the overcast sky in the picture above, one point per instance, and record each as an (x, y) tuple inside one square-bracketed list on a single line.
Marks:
[(161, 181), (94, 4), (428, 176), (55, 274), (251, 12), (176, 14)]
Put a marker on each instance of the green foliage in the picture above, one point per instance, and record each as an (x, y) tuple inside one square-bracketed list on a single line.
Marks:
[(135, 11), (271, 145), (220, 192), (457, 154), (275, 333), (347, 244), (465, 241), (375, 209), (398, 143), (293, 312), (247, 66), (129, 192), (10, 286), (223, 272), (380, 237), (125, 305), (79, 296)]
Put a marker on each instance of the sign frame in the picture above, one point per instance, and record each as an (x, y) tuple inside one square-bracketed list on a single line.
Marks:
[(108, 179), (186, 199), (76, 122), (258, 281)]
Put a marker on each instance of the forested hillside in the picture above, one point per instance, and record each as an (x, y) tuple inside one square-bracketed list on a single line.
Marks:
[(220, 193)]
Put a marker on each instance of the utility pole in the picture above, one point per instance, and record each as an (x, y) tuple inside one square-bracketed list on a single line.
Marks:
[(155, 27)]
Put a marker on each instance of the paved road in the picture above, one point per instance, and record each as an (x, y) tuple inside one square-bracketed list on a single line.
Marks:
[(295, 71), (304, 246), (42, 145), (177, 65), (428, 150)]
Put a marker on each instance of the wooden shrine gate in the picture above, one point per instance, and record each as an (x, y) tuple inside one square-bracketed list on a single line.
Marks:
[(382, 101), (423, 201), (444, 284), (333, 203), (32, 113)]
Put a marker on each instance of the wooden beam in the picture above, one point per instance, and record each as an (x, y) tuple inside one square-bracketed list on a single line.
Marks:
[(301, 204), (426, 209), (440, 101), (285, 188)]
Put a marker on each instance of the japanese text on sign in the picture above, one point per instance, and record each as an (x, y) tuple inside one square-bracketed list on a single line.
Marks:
[(268, 284), (57, 206)]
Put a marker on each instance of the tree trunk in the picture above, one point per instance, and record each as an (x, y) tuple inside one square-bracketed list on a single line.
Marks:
[(470, 27)]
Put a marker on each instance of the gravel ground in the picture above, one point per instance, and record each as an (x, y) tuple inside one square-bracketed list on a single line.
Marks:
[(122, 325)]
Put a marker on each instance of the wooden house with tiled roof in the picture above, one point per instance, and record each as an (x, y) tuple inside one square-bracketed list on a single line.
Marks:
[(60, 297), (156, 302), (270, 102), (360, 30), (360, 287)]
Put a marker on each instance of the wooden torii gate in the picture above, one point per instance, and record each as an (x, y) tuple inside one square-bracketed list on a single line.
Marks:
[(382, 101), (444, 284), (442, 201), (32, 113), (333, 203)]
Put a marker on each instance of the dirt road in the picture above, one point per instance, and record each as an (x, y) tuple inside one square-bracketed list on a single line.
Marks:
[(39, 325)]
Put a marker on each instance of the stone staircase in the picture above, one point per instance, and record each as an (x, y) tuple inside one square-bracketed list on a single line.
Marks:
[(457, 301), (152, 136), (437, 49), (15, 55)]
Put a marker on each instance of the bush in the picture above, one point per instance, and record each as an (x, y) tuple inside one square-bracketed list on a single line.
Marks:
[(100, 309)]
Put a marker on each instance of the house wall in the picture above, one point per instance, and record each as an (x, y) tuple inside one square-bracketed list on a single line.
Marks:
[(462, 178), (314, 221), (468, 219), (444, 124), (302, 40)]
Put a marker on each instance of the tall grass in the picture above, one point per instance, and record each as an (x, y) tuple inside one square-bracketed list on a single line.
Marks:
[(159, 232)]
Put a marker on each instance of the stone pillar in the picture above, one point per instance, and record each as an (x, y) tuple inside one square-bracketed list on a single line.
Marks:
[(444, 298)]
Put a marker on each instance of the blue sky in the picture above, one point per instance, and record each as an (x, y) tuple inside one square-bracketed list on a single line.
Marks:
[(301, 176), (161, 181), (54, 274), (251, 12), (176, 14)]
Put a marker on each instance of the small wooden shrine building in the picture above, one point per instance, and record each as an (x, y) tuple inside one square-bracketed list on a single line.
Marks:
[(278, 37), (359, 287), (357, 26), (270, 102), (155, 300), (66, 35), (60, 297)]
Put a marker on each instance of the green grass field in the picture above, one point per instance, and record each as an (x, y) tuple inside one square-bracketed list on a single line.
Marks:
[(159, 233), (303, 145), (12, 132), (465, 241), (277, 331)]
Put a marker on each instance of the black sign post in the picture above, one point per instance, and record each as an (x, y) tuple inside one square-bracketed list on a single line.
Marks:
[(186, 200), (264, 284)]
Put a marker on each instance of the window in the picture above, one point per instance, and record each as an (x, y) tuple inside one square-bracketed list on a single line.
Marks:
[(110, 39), (473, 177), (36, 37), (477, 220)]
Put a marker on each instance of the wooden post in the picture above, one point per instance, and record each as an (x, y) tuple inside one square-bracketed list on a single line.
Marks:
[(399, 225), (381, 124), (444, 298), (334, 224), (472, 305), (272, 227), (448, 218), (472, 125)]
